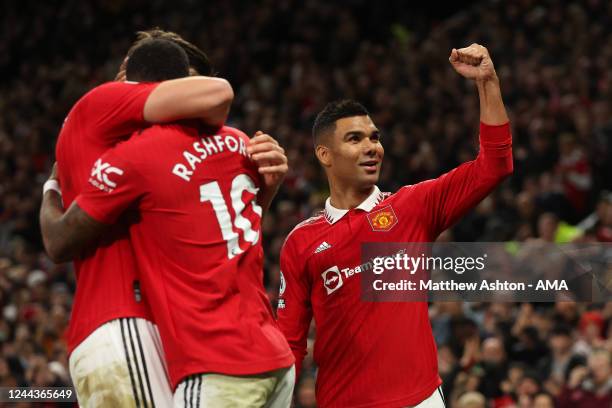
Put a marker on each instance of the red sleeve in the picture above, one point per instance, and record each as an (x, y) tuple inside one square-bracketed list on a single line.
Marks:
[(452, 195), (112, 187), (294, 309), (115, 109)]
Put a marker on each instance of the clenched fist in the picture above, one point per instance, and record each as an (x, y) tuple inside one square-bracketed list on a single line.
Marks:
[(473, 62)]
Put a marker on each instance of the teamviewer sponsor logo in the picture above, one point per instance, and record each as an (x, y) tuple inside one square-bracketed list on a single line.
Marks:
[(332, 279), (100, 176)]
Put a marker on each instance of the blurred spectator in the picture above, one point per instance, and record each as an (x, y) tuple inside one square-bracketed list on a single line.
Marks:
[(590, 332), (528, 347), (575, 172), (557, 366), (547, 227), (495, 365), (471, 400), (529, 385), (599, 223), (543, 400), (589, 386)]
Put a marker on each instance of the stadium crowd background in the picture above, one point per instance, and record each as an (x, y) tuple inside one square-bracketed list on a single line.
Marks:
[(286, 59)]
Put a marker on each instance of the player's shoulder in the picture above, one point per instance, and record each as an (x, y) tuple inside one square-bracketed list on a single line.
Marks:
[(111, 87), (90, 95), (125, 151), (384, 198), (302, 231), (402, 193), (139, 143), (103, 91), (405, 197)]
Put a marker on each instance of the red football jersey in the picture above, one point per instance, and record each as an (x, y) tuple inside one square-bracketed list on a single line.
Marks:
[(106, 274), (376, 354), (198, 246)]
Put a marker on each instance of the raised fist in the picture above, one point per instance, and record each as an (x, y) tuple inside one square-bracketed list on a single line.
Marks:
[(473, 62)]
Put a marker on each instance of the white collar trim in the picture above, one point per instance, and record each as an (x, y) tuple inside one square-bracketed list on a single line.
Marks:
[(333, 214)]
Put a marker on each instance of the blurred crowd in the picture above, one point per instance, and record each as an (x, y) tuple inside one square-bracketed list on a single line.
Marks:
[(286, 59)]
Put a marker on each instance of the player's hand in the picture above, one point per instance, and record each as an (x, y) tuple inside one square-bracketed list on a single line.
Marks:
[(473, 62), (270, 158)]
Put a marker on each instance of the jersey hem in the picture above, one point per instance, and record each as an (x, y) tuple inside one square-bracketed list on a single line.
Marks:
[(236, 369), (74, 341), (413, 399)]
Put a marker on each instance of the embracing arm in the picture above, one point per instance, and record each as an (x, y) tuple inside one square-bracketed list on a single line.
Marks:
[(114, 110), (66, 234), (197, 97)]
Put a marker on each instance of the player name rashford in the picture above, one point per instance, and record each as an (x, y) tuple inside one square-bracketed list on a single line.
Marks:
[(497, 285), (204, 148)]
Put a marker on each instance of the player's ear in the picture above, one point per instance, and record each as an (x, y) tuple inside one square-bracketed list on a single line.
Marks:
[(324, 155)]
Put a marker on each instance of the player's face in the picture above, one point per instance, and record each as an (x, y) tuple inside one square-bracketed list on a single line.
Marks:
[(356, 151)]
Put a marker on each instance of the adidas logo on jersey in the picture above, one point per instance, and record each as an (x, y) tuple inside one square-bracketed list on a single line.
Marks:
[(324, 245)]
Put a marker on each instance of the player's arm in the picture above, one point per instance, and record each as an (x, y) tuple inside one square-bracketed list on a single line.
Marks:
[(272, 164), (65, 234), (294, 309), (474, 62), (103, 199), (117, 109), (196, 97), (450, 196)]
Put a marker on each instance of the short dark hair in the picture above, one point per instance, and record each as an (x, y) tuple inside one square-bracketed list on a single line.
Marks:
[(198, 60), (157, 60), (334, 111)]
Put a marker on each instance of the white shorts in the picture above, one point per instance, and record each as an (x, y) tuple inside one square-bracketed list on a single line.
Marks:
[(121, 364), (435, 400), (273, 389)]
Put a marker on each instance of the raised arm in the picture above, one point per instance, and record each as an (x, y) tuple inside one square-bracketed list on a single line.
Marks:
[(474, 62), (450, 196)]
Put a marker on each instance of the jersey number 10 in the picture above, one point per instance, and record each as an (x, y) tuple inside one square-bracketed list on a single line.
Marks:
[(212, 192)]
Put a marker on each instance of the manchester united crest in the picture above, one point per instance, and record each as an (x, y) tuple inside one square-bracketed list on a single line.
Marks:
[(383, 219)]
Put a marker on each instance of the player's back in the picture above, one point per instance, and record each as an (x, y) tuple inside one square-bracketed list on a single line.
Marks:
[(106, 274), (198, 243)]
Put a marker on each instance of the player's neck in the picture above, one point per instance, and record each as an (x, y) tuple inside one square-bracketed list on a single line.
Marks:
[(348, 197)]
